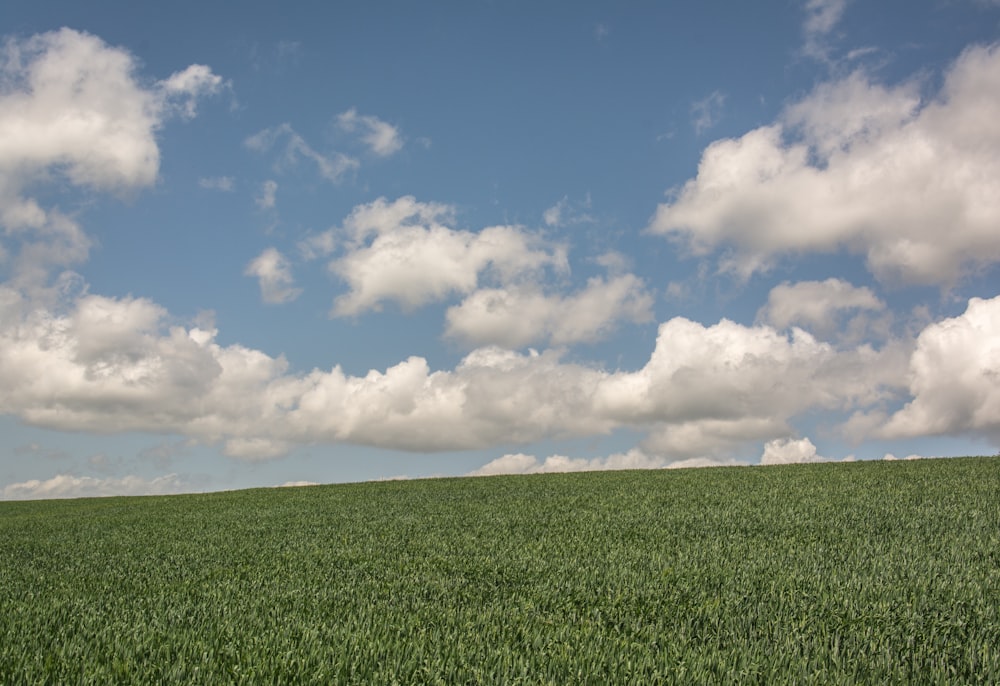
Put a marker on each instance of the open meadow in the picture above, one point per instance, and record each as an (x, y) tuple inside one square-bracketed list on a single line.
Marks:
[(868, 572)]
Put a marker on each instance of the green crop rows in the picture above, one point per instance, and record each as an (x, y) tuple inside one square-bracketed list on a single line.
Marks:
[(880, 572)]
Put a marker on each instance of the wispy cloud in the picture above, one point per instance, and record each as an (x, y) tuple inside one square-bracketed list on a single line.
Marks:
[(293, 147), (267, 195), (382, 138), (822, 17), (705, 113), (226, 184)]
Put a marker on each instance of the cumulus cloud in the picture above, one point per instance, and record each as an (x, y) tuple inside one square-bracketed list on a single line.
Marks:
[(274, 273), (69, 486), (72, 107), (382, 138), (910, 184), (515, 317), (790, 451), (292, 148), (110, 365), (820, 306), (405, 252), (954, 377)]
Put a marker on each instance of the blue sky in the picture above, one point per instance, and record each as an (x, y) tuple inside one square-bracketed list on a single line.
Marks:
[(351, 241)]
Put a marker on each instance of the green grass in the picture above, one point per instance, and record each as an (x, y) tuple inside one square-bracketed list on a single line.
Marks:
[(871, 572)]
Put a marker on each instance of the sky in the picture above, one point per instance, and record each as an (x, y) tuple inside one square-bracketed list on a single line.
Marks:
[(251, 245)]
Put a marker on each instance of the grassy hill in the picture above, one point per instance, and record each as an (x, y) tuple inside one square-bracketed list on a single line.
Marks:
[(868, 572)]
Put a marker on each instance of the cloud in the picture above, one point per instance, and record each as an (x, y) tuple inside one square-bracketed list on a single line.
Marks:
[(954, 378), (405, 252), (519, 463), (821, 307), (274, 273), (515, 317), (331, 167), (382, 138), (566, 213), (187, 86), (822, 17), (862, 167), (790, 451), (705, 113), (69, 486), (72, 107), (266, 199), (255, 449), (112, 365), (226, 184)]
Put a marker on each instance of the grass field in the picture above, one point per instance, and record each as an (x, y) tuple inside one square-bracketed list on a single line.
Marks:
[(868, 572)]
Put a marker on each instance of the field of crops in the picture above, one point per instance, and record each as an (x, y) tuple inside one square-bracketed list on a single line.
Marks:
[(880, 572)]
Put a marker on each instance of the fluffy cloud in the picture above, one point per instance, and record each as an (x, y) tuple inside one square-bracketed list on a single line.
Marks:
[(790, 451), (274, 274), (71, 106), (406, 252), (856, 165), (69, 486), (514, 317), (293, 148), (954, 377), (382, 138), (118, 365), (819, 306)]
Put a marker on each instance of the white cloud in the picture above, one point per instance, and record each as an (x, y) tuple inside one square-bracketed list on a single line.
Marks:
[(331, 167), (954, 377), (115, 365), (515, 317), (72, 107), (712, 437), (69, 486), (267, 196), (820, 306), (519, 463), (382, 138), (188, 85), (790, 451), (274, 274), (892, 458), (910, 185), (705, 113), (406, 253)]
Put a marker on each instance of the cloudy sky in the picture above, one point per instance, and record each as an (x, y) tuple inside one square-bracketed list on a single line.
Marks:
[(335, 242)]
